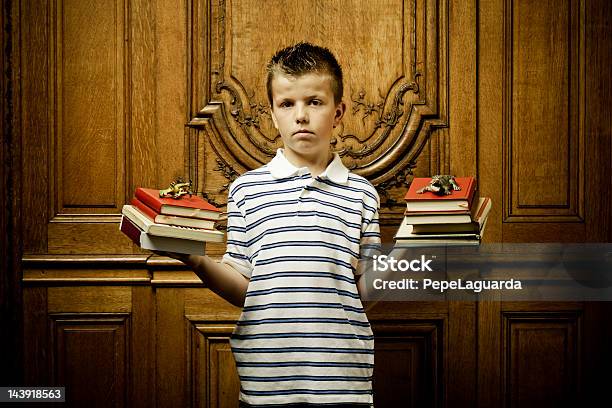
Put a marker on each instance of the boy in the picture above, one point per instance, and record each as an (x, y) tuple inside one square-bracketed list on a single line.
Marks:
[(297, 228)]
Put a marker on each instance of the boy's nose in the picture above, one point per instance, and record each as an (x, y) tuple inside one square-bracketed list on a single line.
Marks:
[(301, 116)]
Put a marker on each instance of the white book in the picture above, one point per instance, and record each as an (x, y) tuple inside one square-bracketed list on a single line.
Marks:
[(154, 242), (172, 231), (442, 218), (181, 246), (405, 233), (435, 242)]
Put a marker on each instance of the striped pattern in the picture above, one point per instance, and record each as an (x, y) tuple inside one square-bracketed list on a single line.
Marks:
[(303, 336)]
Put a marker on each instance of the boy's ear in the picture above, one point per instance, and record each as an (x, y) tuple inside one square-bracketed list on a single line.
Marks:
[(339, 114), (273, 118)]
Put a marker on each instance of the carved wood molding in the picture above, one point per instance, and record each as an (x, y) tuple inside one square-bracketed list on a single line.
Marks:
[(395, 92)]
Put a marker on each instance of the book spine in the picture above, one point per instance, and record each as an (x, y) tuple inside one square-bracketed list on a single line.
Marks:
[(131, 230), (433, 212), (148, 200), (137, 218), (176, 220), (145, 209), (471, 192), (471, 187), (481, 210)]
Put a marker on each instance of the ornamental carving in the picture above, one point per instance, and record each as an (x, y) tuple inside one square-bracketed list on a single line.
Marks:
[(393, 72)]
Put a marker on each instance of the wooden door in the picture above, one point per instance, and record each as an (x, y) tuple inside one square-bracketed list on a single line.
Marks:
[(109, 95), (544, 149)]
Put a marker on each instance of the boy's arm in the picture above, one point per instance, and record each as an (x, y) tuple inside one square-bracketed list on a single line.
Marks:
[(370, 245), (221, 278), (361, 288)]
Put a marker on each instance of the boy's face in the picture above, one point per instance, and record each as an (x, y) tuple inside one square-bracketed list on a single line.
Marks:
[(305, 114)]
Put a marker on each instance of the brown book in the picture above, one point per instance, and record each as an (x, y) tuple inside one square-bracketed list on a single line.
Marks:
[(474, 226)]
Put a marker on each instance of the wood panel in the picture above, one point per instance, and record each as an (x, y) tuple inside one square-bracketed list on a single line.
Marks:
[(91, 358), (171, 383), (598, 127), (536, 71), (460, 157), (193, 362), (461, 358), (88, 67), (97, 341), (408, 367), (158, 92), (34, 124), (490, 31), (89, 339), (87, 70), (544, 108), (214, 377), (36, 364), (99, 84), (489, 349), (541, 359), (82, 299), (143, 342)]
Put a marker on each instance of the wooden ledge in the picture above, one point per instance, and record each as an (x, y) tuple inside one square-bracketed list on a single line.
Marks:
[(54, 261)]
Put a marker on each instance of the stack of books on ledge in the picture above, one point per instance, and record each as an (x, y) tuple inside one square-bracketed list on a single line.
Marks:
[(182, 225), (455, 219)]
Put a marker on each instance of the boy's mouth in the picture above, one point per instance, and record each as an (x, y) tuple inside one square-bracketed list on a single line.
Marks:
[(303, 131)]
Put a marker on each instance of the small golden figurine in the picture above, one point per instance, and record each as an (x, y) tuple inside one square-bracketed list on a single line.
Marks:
[(441, 185), (177, 189)]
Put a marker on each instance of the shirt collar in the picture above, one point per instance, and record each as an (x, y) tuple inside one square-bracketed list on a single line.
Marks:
[(280, 167)]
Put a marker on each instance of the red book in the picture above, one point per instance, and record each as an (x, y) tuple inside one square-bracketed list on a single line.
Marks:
[(459, 200), (171, 219), (194, 206), (131, 230)]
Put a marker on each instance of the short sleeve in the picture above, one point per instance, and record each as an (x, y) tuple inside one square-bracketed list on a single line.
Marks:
[(237, 254), (370, 231)]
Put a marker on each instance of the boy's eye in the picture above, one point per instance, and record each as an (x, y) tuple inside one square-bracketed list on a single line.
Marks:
[(315, 102), (285, 104)]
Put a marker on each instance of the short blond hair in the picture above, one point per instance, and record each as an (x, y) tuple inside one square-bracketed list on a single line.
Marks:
[(303, 58)]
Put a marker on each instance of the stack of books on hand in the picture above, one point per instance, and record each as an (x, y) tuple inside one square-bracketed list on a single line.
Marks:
[(181, 225), (458, 218)]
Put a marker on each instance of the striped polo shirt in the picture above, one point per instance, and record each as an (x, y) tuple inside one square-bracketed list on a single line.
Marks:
[(302, 337)]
